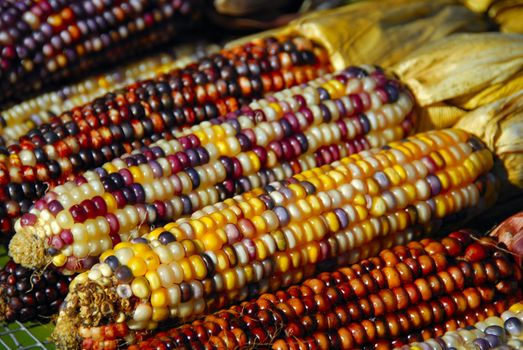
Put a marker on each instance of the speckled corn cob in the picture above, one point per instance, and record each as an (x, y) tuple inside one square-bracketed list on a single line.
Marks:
[(46, 42), (147, 111), (274, 236), (274, 138), (21, 118)]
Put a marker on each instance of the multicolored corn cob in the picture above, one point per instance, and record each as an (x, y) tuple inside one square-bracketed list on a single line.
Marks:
[(398, 292), (26, 295), (272, 139), (45, 42), (147, 111), (36, 111), (495, 332), (275, 236)]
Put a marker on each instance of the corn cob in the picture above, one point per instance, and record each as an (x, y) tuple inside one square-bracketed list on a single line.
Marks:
[(398, 292), (44, 43), (36, 111), (26, 295), (208, 163), (147, 111), (493, 332), (274, 236)]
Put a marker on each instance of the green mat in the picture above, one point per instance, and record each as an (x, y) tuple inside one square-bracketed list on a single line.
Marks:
[(23, 336)]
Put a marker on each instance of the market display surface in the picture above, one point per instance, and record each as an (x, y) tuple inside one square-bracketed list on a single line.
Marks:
[(350, 179)]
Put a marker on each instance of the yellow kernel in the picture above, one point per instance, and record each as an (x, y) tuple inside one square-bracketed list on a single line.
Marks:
[(140, 248), (394, 178), (444, 179), (151, 260), (282, 263), (313, 252), (198, 266), (295, 258), (332, 221), (122, 245), (315, 204), (137, 174), (255, 160), (318, 227), (402, 219), (188, 273), (59, 260), (219, 218), (222, 261), (110, 168), (140, 288), (246, 209), (372, 187), (223, 148), (110, 202), (361, 211), (198, 227), (159, 298), (516, 308), (298, 191), (208, 222), (261, 249), (137, 266), (229, 278), (189, 247), (379, 207), (276, 107), (259, 224), (212, 241), (256, 205), (160, 314), (154, 279)]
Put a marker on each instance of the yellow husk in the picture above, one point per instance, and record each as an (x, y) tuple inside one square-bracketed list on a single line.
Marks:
[(452, 76), (508, 14), (500, 125), (380, 32)]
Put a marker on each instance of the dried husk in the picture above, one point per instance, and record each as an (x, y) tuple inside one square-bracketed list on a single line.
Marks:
[(508, 14), (500, 125), (452, 76), (371, 32)]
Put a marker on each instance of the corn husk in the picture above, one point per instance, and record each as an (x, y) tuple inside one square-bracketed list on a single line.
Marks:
[(500, 125), (454, 75), (381, 32), (508, 14)]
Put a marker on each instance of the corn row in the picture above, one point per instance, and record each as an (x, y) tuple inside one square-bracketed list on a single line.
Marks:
[(492, 332), (236, 248), (36, 111), (208, 163), (468, 319), (44, 43), (26, 296), (398, 292), (89, 136)]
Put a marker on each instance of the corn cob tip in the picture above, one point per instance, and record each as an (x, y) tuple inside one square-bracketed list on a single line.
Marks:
[(64, 334), (89, 304), (27, 249)]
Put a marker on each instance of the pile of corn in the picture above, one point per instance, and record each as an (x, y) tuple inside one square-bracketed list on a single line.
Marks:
[(275, 193)]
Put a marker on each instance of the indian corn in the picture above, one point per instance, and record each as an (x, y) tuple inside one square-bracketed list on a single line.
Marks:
[(275, 236), (90, 135), (272, 139)]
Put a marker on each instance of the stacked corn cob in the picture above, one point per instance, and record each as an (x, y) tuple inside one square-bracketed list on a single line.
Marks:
[(45, 42), (272, 139), (496, 332), (36, 111), (274, 236), (144, 112), (367, 305)]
